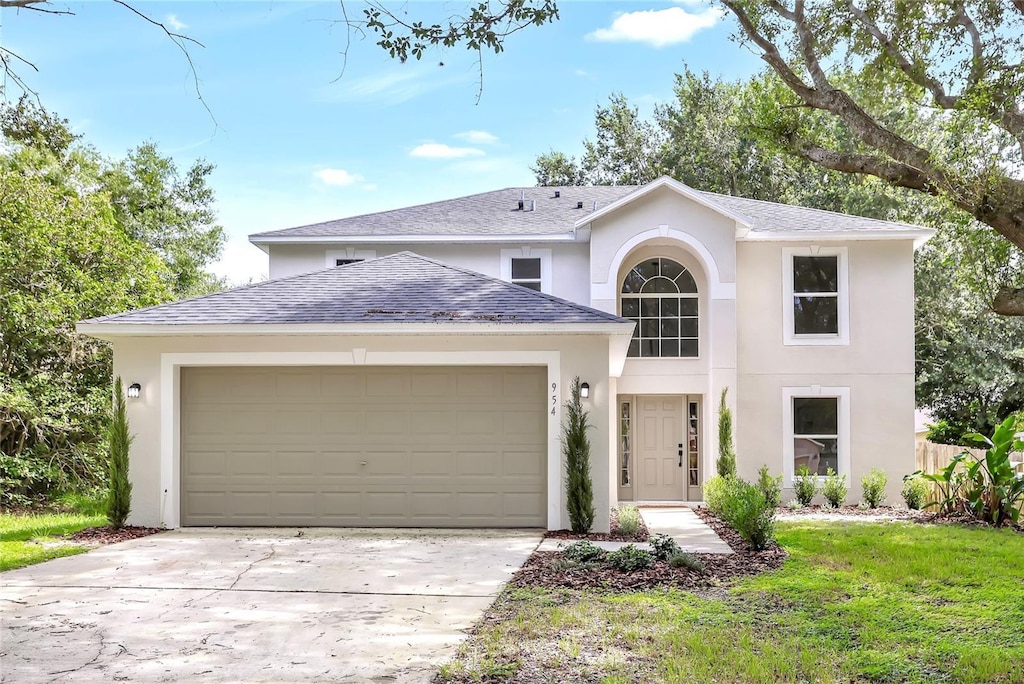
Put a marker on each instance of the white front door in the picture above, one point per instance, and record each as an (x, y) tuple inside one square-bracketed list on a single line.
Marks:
[(661, 475)]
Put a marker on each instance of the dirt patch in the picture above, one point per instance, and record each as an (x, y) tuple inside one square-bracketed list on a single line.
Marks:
[(101, 536), (616, 534), (551, 569)]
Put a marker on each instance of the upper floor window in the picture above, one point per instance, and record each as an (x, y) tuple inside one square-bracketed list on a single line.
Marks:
[(528, 267), (661, 296), (526, 272), (816, 296), (348, 255)]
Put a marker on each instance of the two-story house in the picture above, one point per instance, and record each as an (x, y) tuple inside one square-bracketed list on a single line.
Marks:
[(409, 367)]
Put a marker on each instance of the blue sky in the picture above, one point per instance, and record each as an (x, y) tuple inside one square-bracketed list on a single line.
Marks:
[(295, 140)]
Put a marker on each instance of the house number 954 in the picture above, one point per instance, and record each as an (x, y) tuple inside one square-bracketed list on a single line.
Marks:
[(554, 397)]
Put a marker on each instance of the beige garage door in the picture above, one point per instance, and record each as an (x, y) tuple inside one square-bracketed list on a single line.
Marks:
[(388, 447)]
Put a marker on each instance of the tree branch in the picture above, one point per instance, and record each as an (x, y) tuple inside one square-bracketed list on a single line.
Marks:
[(1009, 301), (181, 41), (826, 97), (903, 175), (34, 5), (920, 77)]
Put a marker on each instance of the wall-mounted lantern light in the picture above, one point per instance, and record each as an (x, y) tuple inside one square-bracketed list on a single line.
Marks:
[(585, 390), (134, 390)]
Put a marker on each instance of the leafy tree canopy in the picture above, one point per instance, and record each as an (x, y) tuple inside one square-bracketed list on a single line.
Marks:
[(80, 236)]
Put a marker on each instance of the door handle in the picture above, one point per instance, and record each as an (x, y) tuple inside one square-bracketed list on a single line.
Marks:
[(680, 455)]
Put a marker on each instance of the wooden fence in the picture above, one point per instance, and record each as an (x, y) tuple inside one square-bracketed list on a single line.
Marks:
[(932, 458)]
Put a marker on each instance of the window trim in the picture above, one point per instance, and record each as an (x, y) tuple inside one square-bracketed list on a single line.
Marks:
[(507, 255), (348, 253), (789, 336), (842, 394)]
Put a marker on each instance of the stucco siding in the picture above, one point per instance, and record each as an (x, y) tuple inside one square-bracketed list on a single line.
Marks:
[(877, 365), (663, 207), (881, 281), (140, 360), (569, 261), (881, 416)]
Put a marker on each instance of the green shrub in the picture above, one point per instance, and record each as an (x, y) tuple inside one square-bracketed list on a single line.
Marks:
[(119, 501), (770, 486), (726, 464), (873, 487), (630, 558), (805, 485), (663, 546), (914, 491), (629, 520), (750, 515), (583, 551), (576, 449), (834, 489), (987, 488), (686, 560), (715, 492)]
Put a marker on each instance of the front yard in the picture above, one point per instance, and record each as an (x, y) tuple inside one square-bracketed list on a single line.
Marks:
[(28, 537), (856, 602)]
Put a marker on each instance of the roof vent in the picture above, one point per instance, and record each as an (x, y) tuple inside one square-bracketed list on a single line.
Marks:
[(558, 193), (521, 203), (595, 205), (533, 205), (579, 205)]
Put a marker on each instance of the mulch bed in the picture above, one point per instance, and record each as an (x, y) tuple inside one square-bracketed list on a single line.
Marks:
[(100, 536), (616, 534), (853, 512), (549, 569)]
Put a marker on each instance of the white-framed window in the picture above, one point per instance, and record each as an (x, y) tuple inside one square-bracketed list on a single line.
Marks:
[(661, 297), (816, 430), (528, 267), (348, 255), (816, 296)]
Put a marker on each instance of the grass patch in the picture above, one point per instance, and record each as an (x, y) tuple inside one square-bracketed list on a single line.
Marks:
[(29, 538), (856, 602)]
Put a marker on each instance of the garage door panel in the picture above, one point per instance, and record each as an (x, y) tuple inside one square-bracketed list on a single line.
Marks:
[(486, 383), (389, 385), (347, 383), (450, 447)]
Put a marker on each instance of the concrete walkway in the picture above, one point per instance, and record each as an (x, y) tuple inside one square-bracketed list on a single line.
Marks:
[(682, 524)]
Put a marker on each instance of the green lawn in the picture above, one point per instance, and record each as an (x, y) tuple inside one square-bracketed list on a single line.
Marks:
[(856, 602), (27, 538)]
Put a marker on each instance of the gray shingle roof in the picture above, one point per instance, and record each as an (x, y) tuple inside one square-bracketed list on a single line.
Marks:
[(400, 288), (496, 213), (492, 213), (771, 217)]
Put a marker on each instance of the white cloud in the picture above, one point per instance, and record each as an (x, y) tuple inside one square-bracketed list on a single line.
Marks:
[(338, 177), (442, 151), (657, 28), (477, 137), (175, 23)]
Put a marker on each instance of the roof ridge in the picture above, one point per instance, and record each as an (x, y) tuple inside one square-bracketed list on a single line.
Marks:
[(383, 211), (483, 276)]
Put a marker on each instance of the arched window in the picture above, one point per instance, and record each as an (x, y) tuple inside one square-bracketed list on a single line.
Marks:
[(661, 296)]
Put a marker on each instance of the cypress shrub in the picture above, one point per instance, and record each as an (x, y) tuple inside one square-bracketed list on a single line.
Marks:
[(576, 449), (119, 494), (726, 463)]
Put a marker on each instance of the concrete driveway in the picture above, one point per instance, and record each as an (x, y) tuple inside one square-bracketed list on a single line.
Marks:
[(246, 605)]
